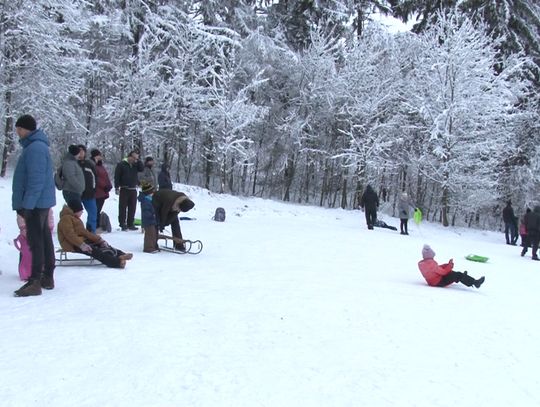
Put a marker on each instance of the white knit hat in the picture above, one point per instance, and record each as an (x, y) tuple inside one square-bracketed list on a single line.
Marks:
[(427, 252)]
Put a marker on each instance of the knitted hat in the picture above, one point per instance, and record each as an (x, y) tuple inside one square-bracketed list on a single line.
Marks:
[(73, 149), (146, 187), (95, 152), (26, 122), (186, 205), (427, 252), (75, 206)]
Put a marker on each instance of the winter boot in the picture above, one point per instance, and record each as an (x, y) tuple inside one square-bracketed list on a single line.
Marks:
[(479, 282), (523, 252), (32, 287), (126, 256), (47, 282)]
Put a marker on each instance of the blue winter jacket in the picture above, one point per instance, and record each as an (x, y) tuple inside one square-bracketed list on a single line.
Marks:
[(33, 179), (148, 216)]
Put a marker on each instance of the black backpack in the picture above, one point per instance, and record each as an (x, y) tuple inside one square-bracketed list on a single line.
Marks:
[(104, 222), (219, 215)]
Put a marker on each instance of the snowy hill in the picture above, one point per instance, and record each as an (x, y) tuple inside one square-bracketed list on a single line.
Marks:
[(287, 305)]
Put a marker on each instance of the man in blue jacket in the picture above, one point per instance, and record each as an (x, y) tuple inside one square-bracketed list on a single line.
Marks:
[(33, 196)]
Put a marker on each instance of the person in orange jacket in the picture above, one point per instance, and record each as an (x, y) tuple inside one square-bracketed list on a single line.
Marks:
[(443, 275)]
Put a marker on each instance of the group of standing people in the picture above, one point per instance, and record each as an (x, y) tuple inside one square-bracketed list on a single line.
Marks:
[(529, 229), (370, 203), (84, 183)]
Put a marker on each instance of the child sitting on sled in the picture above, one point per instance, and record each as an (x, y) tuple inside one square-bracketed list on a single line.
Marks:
[(443, 275), (73, 237)]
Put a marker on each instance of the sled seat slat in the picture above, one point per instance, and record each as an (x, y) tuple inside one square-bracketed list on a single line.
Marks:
[(64, 258)]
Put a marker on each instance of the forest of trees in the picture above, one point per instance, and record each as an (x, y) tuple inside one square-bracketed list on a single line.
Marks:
[(305, 101)]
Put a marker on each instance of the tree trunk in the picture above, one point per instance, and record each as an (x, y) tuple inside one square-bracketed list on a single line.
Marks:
[(288, 177), (444, 203), (8, 134)]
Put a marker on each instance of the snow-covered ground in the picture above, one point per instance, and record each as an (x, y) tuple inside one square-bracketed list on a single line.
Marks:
[(287, 305)]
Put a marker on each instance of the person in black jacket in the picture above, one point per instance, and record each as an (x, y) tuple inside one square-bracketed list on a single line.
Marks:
[(370, 203), (510, 224), (88, 196), (532, 223), (126, 179), (164, 177)]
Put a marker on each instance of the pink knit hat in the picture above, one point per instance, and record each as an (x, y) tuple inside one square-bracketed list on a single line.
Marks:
[(427, 252)]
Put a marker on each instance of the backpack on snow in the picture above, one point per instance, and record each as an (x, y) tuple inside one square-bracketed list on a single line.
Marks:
[(219, 215), (59, 178), (105, 222)]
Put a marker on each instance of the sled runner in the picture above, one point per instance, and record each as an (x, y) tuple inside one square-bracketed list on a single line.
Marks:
[(74, 259), (191, 246), (477, 258)]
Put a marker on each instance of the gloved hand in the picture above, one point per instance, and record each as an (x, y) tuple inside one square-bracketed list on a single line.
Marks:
[(117, 191), (85, 248), (103, 244)]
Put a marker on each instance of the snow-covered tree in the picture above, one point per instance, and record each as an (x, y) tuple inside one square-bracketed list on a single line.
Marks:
[(40, 66), (466, 106)]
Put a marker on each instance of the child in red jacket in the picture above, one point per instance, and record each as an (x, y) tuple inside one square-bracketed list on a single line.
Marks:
[(443, 275)]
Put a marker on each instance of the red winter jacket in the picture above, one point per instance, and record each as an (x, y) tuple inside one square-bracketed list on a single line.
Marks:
[(103, 184), (432, 272)]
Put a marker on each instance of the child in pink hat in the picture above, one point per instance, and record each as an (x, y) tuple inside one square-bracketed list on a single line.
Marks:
[(443, 275)]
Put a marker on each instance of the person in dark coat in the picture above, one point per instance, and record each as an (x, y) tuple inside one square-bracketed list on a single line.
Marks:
[(88, 196), (370, 203), (510, 224), (164, 178), (33, 194), (167, 205), (148, 218), (125, 183), (532, 223), (103, 183)]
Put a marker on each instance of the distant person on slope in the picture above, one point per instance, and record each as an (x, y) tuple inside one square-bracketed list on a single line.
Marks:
[(404, 208), (370, 202), (510, 224), (443, 275), (523, 233), (532, 224)]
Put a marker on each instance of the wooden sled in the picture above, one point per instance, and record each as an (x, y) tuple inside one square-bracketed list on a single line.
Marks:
[(64, 258), (192, 246)]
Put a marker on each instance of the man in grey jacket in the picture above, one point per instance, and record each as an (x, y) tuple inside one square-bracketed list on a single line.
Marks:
[(72, 175)]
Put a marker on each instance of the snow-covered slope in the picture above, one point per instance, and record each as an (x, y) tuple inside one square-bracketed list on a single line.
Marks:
[(287, 305)]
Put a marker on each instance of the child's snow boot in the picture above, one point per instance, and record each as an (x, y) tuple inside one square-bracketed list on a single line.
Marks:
[(479, 282)]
